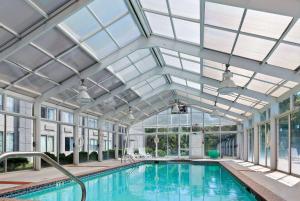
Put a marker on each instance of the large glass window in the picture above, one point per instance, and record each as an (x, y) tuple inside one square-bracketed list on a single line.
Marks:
[(283, 144), (67, 117), (48, 113), (284, 105), (268, 141), (69, 143), (295, 143)]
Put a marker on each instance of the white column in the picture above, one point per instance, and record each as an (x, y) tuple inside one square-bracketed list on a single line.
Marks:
[(239, 142), (256, 146), (116, 141), (100, 140), (37, 134), (273, 135), (245, 154), (76, 139)]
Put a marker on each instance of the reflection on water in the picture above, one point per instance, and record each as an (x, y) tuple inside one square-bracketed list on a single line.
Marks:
[(159, 182)]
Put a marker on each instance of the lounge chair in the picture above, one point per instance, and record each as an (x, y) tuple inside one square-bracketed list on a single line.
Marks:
[(143, 153)]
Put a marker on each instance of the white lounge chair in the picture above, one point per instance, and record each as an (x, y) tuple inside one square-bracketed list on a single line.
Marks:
[(131, 153), (143, 153)]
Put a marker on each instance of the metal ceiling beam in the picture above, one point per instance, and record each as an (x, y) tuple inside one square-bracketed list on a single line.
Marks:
[(286, 7), (49, 24), (128, 85), (213, 55), (215, 83)]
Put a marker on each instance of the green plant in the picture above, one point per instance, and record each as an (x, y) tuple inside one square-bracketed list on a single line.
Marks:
[(93, 156), (17, 164)]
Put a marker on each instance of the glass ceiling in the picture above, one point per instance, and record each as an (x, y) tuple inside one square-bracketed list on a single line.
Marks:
[(104, 28)]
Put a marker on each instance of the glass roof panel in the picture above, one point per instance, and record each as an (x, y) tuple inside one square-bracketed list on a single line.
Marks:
[(124, 30), (120, 65), (231, 97), (9, 72), (157, 82), (222, 106), (232, 109), (190, 57), (294, 33), (178, 80), (146, 64), (128, 73), (212, 73), (241, 71), (172, 61), (108, 11), (167, 51), (291, 84), (218, 40), (186, 8), (286, 56), (81, 30), (245, 101), (260, 86), (278, 92), (160, 24), (223, 15), (240, 80), (267, 78), (265, 24), (214, 64), (193, 85), (187, 31), (36, 83), (138, 54), (160, 5), (253, 48), (107, 45), (191, 66), (144, 89)]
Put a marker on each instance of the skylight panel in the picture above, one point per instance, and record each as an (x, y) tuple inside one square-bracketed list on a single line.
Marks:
[(230, 97), (107, 45), (144, 89), (278, 92), (108, 11), (253, 48), (191, 66), (160, 5), (146, 64), (212, 73), (124, 31), (222, 106), (193, 85), (232, 109), (218, 39), (81, 30), (178, 80), (138, 54), (186, 8), (263, 77), (172, 61), (167, 51), (241, 71), (157, 82), (120, 64), (291, 84), (190, 57), (240, 80), (213, 64), (286, 56), (260, 86), (209, 102), (245, 102), (294, 33), (128, 73), (187, 30), (223, 15), (160, 24), (265, 24)]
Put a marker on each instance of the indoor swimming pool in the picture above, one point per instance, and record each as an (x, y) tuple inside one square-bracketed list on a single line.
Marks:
[(168, 181)]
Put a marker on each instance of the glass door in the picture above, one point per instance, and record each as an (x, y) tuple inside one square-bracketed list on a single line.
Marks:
[(295, 143), (283, 144)]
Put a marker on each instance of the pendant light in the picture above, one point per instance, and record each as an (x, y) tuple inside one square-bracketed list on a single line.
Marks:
[(130, 114), (83, 97), (227, 85), (175, 107)]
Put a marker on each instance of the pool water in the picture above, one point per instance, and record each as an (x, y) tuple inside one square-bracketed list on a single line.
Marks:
[(153, 182)]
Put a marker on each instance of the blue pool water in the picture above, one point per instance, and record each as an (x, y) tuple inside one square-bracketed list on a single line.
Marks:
[(153, 182)]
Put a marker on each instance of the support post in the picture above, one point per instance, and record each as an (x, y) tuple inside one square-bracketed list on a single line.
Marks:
[(245, 148), (37, 134), (76, 139), (100, 140), (256, 145), (116, 141)]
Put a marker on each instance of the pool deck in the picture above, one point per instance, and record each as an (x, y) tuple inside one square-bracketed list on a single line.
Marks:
[(260, 179)]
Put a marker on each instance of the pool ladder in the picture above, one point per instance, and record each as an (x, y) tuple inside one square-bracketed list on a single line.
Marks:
[(51, 162)]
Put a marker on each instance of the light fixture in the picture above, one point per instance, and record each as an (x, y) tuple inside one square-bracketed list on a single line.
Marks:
[(83, 97), (130, 114), (175, 108), (227, 85), (215, 112)]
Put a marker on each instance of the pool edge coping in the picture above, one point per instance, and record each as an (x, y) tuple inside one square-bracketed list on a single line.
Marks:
[(254, 187)]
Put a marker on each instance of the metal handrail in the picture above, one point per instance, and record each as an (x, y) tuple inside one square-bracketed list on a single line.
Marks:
[(51, 162)]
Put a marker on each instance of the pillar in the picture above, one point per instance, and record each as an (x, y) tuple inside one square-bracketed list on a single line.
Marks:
[(256, 146), (116, 141), (245, 150), (37, 134), (239, 142), (273, 135), (76, 139), (100, 140)]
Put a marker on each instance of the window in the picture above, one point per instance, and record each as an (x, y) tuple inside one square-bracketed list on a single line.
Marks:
[(12, 104), (10, 142), (1, 141), (297, 99), (295, 143), (1, 102), (263, 116), (93, 145), (67, 117), (43, 143), (68, 143), (284, 105), (283, 144), (47, 143), (92, 123), (48, 113)]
